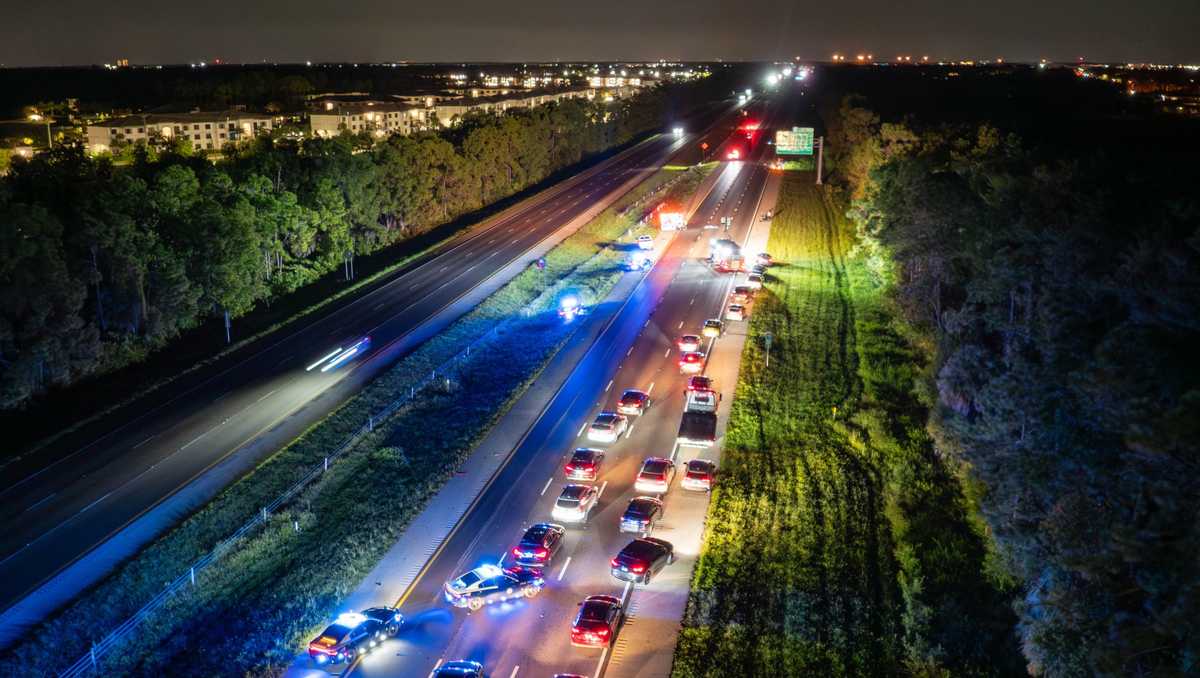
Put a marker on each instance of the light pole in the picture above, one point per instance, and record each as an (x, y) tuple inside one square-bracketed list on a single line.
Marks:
[(820, 157)]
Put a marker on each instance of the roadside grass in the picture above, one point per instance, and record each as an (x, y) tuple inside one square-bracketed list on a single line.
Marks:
[(261, 601), (836, 543)]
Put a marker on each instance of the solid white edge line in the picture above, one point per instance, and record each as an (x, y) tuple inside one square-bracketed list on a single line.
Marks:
[(629, 431), (607, 388), (514, 671), (581, 429), (601, 492), (651, 389)]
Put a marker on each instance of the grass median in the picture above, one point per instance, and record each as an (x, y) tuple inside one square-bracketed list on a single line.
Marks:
[(248, 612), (837, 543)]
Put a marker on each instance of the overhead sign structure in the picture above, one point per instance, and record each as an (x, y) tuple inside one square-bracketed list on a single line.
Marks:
[(796, 141)]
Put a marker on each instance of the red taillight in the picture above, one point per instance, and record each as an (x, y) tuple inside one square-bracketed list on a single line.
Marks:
[(637, 569), (569, 468), (516, 551), (603, 633), (615, 563), (540, 553)]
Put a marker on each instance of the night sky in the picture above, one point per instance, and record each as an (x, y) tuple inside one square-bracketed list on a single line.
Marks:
[(171, 31)]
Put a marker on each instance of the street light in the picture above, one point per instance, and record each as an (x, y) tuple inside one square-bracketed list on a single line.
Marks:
[(37, 117)]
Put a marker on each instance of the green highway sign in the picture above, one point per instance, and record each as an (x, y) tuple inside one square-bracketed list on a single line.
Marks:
[(796, 141)]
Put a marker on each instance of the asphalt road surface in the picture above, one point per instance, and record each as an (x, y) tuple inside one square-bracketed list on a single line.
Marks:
[(58, 511), (531, 637)]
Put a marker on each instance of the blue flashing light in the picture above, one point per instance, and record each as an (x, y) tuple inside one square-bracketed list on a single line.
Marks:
[(350, 619)]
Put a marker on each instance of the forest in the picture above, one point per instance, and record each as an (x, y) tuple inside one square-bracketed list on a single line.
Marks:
[(101, 264), (1054, 288)]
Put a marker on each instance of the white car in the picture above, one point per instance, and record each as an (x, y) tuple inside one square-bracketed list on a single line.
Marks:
[(575, 503), (735, 312), (607, 427), (754, 281), (688, 343), (656, 475), (645, 242)]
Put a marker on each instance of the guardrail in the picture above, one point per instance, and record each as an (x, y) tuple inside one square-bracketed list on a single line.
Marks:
[(91, 662)]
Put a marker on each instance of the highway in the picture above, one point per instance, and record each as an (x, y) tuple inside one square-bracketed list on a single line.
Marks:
[(531, 637), (59, 506)]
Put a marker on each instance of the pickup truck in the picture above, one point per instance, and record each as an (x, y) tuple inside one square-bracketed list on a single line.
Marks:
[(698, 427)]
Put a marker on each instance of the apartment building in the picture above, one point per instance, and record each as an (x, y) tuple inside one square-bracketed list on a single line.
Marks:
[(376, 117), (205, 131), (448, 111)]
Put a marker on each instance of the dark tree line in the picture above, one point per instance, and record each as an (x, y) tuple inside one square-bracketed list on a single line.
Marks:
[(102, 264), (1059, 298)]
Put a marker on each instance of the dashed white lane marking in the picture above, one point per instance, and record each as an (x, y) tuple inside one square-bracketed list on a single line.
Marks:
[(601, 492), (548, 481), (650, 389), (667, 353), (581, 429), (610, 383), (564, 568)]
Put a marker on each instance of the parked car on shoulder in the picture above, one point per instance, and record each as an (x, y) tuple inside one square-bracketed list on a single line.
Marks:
[(735, 312), (700, 475)]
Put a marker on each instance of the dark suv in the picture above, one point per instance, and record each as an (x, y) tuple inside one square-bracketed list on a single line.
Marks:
[(538, 545), (641, 559)]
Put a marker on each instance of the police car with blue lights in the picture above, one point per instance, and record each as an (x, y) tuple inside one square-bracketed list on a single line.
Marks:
[(489, 584), (353, 634)]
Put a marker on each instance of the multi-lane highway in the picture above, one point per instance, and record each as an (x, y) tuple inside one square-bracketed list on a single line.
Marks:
[(60, 505), (637, 350)]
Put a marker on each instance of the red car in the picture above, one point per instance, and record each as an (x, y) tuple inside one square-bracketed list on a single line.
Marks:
[(584, 464), (700, 383), (691, 363), (597, 622)]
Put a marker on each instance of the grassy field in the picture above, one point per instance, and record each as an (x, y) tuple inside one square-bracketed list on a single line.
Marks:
[(267, 596), (836, 543)]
